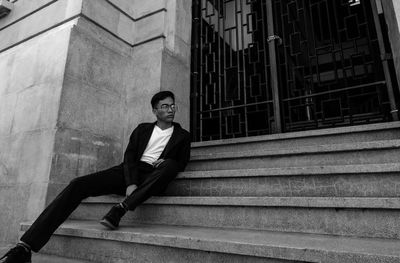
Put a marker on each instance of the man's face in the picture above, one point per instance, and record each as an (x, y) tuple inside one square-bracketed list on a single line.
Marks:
[(163, 110)]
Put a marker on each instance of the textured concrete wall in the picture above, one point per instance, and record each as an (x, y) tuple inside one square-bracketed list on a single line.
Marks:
[(76, 77), (92, 111), (31, 77)]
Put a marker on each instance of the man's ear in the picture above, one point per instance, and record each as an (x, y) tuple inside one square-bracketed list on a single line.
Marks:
[(154, 111)]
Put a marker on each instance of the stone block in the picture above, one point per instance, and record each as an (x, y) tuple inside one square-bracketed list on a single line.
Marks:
[(90, 109), (175, 76), (184, 21), (6, 63), (125, 5), (19, 202), (21, 9), (79, 153), (40, 60), (178, 26), (149, 27), (36, 108), (34, 153), (40, 21), (26, 156), (97, 65), (142, 8), (110, 18), (144, 82), (7, 109)]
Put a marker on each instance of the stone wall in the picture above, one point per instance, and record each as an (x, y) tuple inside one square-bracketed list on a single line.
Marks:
[(76, 77)]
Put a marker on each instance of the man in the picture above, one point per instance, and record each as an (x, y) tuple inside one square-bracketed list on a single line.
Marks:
[(155, 154)]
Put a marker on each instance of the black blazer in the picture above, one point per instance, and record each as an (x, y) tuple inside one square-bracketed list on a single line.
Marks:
[(177, 148)]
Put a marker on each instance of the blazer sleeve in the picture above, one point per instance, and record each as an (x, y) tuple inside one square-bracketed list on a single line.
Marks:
[(130, 172), (183, 155)]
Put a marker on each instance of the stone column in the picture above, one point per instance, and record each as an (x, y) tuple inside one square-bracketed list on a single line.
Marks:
[(33, 54)]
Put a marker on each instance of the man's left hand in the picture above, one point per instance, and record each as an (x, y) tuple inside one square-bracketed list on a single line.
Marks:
[(158, 162)]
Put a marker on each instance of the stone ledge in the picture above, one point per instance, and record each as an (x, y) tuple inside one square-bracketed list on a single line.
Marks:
[(291, 171), (346, 147), (305, 202), (267, 244), (43, 258), (302, 134)]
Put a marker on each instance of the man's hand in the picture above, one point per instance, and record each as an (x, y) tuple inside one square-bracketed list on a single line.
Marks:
[(130, 189), (158, 162)]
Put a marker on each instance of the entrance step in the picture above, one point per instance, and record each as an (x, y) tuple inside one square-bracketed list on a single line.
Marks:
[(365, 180), (352, 134), (43, 258), (386, 151), (87, 240), (361, 217)]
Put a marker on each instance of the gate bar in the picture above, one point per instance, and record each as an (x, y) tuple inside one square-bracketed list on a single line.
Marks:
[(273, 69)]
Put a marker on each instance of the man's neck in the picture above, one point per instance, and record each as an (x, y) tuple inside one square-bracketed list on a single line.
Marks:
[(164, 125)]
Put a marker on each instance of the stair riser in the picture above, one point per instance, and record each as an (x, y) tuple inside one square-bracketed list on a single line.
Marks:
[(299, 142), (356, 185), (108, 251), (296, 160), (380, 223)]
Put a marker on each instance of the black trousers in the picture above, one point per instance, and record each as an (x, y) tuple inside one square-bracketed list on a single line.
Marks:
[(152, 181)]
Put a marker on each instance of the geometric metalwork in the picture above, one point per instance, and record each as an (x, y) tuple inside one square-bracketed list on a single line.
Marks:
[(328, 64), (230, 78)]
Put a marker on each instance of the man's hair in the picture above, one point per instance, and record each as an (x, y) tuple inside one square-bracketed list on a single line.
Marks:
[(160, 96)]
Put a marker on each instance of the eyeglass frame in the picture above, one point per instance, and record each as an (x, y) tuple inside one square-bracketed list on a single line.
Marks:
[(165, 107)]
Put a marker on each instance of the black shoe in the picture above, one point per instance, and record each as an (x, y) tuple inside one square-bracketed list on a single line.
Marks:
[(17, 254), (112, 218)]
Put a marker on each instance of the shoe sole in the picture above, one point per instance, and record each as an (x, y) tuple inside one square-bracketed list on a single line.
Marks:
[(107, 224)]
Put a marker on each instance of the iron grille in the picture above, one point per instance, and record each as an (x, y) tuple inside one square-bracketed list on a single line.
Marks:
[(325, 64), (329, 64)]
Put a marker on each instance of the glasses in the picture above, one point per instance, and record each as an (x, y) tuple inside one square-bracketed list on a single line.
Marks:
[(165, 107)]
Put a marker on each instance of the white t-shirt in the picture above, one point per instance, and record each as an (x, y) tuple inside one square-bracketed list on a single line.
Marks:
[(158, 140)]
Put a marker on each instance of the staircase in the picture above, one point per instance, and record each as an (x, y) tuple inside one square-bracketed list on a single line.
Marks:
[(316, 196)]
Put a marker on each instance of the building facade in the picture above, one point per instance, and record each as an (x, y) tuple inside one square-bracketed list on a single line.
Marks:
[(76, 77)]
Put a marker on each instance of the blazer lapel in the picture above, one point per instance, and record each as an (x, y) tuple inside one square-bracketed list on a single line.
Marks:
[(145, 137), (172, 141)]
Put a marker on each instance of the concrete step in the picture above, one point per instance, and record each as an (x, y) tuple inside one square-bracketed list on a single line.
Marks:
[(352, 134), (386, 151), (44, 258), (88, 240), (366, 180), (360, 217)]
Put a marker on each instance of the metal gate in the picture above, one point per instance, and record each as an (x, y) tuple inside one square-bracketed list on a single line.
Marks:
[(268, 66)]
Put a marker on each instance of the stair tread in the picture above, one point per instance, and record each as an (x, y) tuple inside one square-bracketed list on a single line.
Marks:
[(263, 201), (44, 258), (301, 170), (295, 246), (358, 146), (300, 134)]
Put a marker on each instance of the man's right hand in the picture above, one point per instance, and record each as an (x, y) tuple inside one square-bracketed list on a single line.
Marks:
[(130, 189)]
